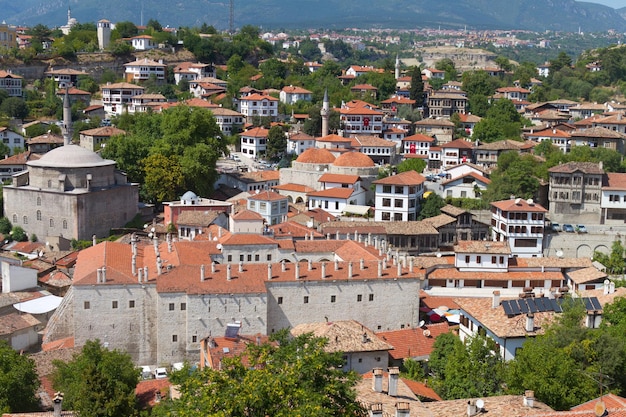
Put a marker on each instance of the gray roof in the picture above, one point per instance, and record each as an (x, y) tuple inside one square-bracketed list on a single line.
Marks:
[(71, 156)]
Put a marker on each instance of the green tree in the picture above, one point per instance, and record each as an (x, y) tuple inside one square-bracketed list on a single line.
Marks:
[(614, 262), (14, 107), (154, 25), (164, 179), (276, 143), (448, 66), (294, 376), (18, 381), (432, 206), (5, 225), (18, 234), (124, 29), (98, 381), (515, 175), (412, 164)]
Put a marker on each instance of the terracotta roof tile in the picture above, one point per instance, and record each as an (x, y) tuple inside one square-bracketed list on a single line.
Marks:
[(422, 390), (344, 336), (518, 204), (267, 195), (338, 192), (480, 246), (293, 187), (339, 178), (502, 405), (585, 275), (403, 178), (413, 343)]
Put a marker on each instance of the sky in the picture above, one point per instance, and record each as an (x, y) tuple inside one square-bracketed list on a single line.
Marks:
[(617, 4)]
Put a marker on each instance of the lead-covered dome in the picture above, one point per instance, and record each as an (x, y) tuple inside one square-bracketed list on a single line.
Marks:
[(70, 156)]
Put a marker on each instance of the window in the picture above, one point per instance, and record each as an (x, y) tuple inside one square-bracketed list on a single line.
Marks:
[(51, 222), (467, 259), (65, 224), (25, 220), (269, 257), (86, 305), (398, 203), (333, 298), (359, 297), (479, 259), (386, 202), (371, 297), (385, 215), (257, 258), (38, 214), (386, 188), (183, 306), (493, 260), (241, 258), (194, 339), (280, 300), (306, 299), (399, 189), (171, 306), (15, 218), (113, 304), (174, 338), (38, 201)]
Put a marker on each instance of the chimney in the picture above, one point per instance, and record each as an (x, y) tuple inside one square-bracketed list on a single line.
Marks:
[(380, 269), (529, 398), (98, 275), (212, 267), (376, 243), (606, 287), (394, 373), (57, 404), (145, 274), (472, 410), (269, 271), (133, 264), (411, 264), (310, 265), (403, 409), (159, 264), (327, 236), (297, 271), (323, 270), (283, 266), (104, 274), (399, 271), (169, 242), (384, 263), (139, 275), (361, 264), (530, 322), (94, 240), (495, 300), (377, 379), (202, 273), (228, 272), (612, 289), (336, 265), (376, 410), (350, 270)]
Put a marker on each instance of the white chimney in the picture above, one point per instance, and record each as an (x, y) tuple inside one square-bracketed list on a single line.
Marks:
[(133, 264), (380, 269), (350, 270), (377, 379), (228, 272), (471, 408), (376, 410), (399, 269), (384, 263), (213, 267), (323, 270), (283, 266), (57, 404), (394, 373), (202, 273), (403, 409), (240, 266), (297, 270), (94, 240), (336, 265), (529, 398), (361, 264), (495, 300), (104, 274), (310, 265), (530, 322), (269, 271), (140, 275), (145, 274), (411, 264), (606, 287), (98, 275)]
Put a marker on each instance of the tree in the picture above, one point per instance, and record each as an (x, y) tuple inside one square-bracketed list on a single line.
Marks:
[(447, 65), (276, 143), (164, 178), (292, 376), (416, 90), (614, 262), (5, 225), (14, 107), (97, 381), (432, 206), (412, 164), (124, 29), (18, 234), (154, 25), (18, 381)]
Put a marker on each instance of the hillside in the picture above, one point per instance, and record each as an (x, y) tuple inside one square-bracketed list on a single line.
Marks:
[(536, 15)]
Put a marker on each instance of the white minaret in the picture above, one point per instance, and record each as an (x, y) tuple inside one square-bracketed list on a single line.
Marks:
[(325, 113), (397, 74), (104, 34), (67, 118)]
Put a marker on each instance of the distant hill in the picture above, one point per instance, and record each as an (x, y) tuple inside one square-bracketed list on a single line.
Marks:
[(539, 15)]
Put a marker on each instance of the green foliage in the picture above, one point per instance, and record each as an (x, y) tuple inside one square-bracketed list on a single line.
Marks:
[(33, 238), (468, 203), (295, 376), (124, 29), (516, 175), (614, 262), (432, 206), (412, 164), (164, 178), (98, 382), (502, 121), (18, 234), (412, 369), (5, 225), (14, 107), (276, 143), (447, 65), (18, 381)]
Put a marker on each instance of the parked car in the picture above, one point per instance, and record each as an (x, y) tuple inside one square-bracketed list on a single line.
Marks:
[(580, 228), (568, 228), (146, 373), (160, 373), (236, 158), (556, 227)]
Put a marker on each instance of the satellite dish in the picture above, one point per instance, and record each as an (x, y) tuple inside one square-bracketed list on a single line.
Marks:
[(421, 323), (559, 253), (219, 246), (426, 333), (438, 254), (480, 404), (599, 409)]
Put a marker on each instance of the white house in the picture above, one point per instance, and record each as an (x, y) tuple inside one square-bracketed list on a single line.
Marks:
[(11, 83), (456, 152), (613, 198), (11, 139), (143, 42), (144, 69), (299, 142), (258, 105), (228, 120), (292, 94), (521, 223), (398, 197), (272, 206), (254, 141), (192, 71), (361, 120), (417, 144), (118, 96), (467, 185)]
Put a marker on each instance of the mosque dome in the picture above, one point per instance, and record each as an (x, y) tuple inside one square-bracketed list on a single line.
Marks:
[(189, 197), (316, 156), (71, 156), (354, 160)]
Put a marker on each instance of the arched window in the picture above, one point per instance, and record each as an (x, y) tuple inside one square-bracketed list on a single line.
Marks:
[(38, 201), (38, 214), (15, 218), (65, 224), (25, 220), (49, 183), (51, 222)]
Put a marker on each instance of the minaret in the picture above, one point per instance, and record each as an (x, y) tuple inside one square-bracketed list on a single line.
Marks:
[(69, 14), (67, 118), (325, 113), (397, 67)]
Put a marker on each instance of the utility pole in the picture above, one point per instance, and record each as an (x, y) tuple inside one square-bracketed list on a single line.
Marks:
[(231, 19)]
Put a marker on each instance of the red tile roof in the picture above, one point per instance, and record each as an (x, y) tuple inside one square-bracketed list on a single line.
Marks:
[(413, 343), (403, 178), (518, 204), (267, 196), (332, 193), (339, 178)]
